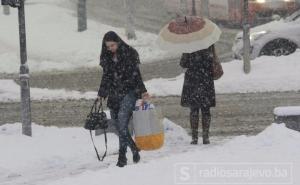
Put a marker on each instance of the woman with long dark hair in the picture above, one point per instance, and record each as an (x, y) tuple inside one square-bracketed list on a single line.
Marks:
[(199, 90), (123, 85)]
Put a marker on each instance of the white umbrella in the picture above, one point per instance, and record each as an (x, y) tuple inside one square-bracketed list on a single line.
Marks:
[(188, 34)]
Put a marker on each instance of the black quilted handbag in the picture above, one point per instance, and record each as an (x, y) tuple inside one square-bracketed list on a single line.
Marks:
[(97, 119)]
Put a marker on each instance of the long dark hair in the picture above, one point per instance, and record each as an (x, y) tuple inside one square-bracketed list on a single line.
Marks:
[(123, 48)]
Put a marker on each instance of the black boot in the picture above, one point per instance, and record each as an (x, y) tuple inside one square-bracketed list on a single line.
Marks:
[(122, 160), (194, 137), (205, 130), (135, 151), (194, 120), (205, 137), (136, 156)]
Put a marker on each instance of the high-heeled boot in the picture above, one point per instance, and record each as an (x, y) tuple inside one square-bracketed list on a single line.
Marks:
[(205, 129), (194, 120), (122, 160)]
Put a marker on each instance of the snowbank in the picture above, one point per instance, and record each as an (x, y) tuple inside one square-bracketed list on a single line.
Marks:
[(287, 111), (58, 152), (267, 74), (54, 43), (65, 156), (48, 146), (10, 91), (276, 147)]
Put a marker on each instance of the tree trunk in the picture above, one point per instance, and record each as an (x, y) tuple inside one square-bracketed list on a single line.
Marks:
[(194, 12), (6, 10), (82, 15), (205, 8), (246, 38), (130, 30)]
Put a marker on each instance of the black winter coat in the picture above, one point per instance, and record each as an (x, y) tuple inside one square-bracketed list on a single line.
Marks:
[(121, 77), (198, 88)]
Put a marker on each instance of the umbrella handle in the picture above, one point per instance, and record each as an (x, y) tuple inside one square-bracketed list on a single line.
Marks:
[(186, 22)]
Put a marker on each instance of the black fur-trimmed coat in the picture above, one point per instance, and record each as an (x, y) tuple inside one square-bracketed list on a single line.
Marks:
[(121, 77), (198, 88)]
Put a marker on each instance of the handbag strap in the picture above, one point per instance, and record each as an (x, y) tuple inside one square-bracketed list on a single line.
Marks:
[(94, 107), (215, 59), (105, 138), (100, 106), (97, 109)]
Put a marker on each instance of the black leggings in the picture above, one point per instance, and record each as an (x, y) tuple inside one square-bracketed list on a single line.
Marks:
[(194, 118)]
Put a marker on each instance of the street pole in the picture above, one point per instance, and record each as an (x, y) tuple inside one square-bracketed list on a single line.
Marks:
[(246, 38), (24, 75), (6, 10), (129, 30), (82, 15)]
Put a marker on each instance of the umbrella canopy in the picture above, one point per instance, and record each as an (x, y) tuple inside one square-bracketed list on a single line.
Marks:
[(188, 34)]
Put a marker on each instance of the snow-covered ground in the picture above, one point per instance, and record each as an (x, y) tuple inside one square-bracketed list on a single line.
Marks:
[(54, 43), (10, 91), (58, 152), (268, 74), (65, 156)]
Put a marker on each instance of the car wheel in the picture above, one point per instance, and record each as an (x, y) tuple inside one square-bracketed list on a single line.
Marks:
[(279, 47)]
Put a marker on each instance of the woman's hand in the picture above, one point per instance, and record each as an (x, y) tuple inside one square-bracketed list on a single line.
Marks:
[(145, 96)]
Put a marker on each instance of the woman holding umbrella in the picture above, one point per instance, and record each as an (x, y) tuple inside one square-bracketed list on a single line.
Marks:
[(195, 38), (123, 85), (198, 90)]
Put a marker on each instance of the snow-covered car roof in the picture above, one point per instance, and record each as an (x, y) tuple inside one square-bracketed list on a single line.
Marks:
[(274, 25)]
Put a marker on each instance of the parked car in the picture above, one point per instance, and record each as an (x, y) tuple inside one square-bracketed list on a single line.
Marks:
[(276, 38)]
